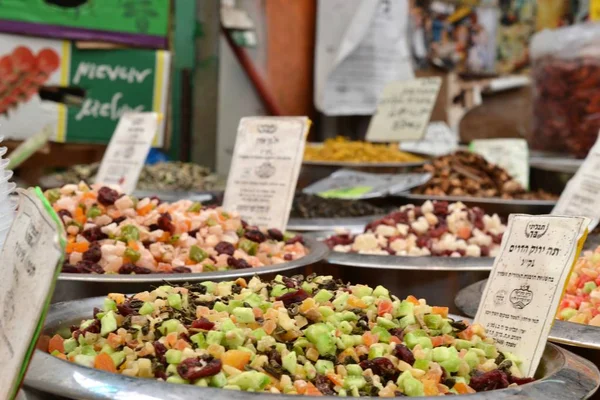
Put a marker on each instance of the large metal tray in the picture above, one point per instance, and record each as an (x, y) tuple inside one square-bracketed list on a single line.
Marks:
[(411, 263), (329, 224), (562, 375), (75, 286), (488, 204), (578, 335), (351, 164)]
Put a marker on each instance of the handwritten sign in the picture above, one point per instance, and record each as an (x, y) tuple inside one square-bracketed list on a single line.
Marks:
[(523, 292), (127, 151), (31, 258), (582, 193), (264, 171), (439, 140), (404, 110), (510, 154), (350, 184)]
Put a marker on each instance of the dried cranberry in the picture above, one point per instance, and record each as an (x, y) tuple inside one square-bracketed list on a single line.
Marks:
[(491, 380), (203, 323), (107, 196), (476, 217), (520, 381), (164, 223), (418, 212), (295, 239), (141, 270), (70, 268), (275, 234), (196, 368), (160, 350), (89, 267), (153, 227), (94, 234), (96, 312), (93, 254), (293, 297), (225, 248), (237, 263), (182, 270), (424, 242), (400, 217), (126, 309), (126, 268), (255, 236), (485, 251), (398, 332), (438, 231), (244, 224), (404, 353), (497, 238), (381, 366), (160, 374), (324, 385), (440, 208), (120, 219), (64, 213), (193, 232)]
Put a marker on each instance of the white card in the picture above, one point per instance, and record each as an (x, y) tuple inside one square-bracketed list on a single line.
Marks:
[(31, 259), (439, 140), (581, 196), (523, 292), (510, 154), (404, 110), (127, 151), (264, 171)]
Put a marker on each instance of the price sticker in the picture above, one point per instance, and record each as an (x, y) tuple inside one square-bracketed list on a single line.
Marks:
[(31, 259), (522, 295), (264, 170), (510, 154), (404, 110), (127, 151), (582, 193)]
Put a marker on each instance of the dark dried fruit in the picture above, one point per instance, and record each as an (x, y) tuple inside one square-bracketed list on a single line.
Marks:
[(295, 239), (203, 323), (381, 366), (398, 332), (89, 267), (225, 248), (70, 268), (126, 268), (324, 385), (120, 219), (404, 353), (238, 263), (491, 380), (182, 270), (62, 213), (93, 254), (199, 367), (293, 297), (288, 257), (94, 234), (255, 236), (520, 381), (275, 234), (164, 223), (141, 270), (107, 196)]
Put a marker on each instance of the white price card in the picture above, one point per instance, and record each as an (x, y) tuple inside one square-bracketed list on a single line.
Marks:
[(439, 140), (404, 110), (510, 154), (581, 196), (127, 151), (264, 171), (527, 281), (31, 260)]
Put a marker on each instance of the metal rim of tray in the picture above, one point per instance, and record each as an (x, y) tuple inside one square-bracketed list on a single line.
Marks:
[(568, 375), (425, 263), (329, 224), (351, 164), (483, 200), (563, 332), (317, 252)]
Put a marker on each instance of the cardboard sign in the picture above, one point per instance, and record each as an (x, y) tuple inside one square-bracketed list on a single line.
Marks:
[(510, 154), (581, 196), (266, 163), (404, 110), (523, 292), (31, 260), (439, 140), (127, 151)]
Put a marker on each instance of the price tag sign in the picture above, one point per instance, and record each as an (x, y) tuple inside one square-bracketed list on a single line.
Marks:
[(31, 260), (404, 110), (439, 140), (523, 292), (510, 154), (582, 193), (127, 151), (264, 170)]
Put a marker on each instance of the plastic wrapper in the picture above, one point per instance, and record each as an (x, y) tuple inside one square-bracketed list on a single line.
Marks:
[(566, 75)]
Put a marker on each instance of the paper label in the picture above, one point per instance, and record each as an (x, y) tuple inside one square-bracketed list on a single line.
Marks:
[(510, 154), (264, 171), (404, 110), (31, 257), (350, 184), (127, 151), (439, 140), (523, 292), (581, 196)]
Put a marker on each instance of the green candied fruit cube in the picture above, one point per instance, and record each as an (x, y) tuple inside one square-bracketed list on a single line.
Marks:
[(173, 356), (568, 313), (433, 321), (588, 287), (376, 350), (108, 323), (210, 287), (362, 291), (174, 301), (278, 290), (195, 207), (341, 301), (422, 364), (244, 315), (323, 367), (347, 341), (249, 380), (227, 325), (70, 344), (109, 305), (132, 254), (354, 369), (404, 308), (118, 358), (220, 307), (93, 212), (258, 333), (384, 335), (472, 358), (169, 326), (85, 360), (147, 308), (199, 340), (323, 296), (197, 254), (214, 337), (355, 381), (489, 349), (412, 338), (234, 338), (202, 382), (345, 327), (386, 323), (407, 320), (326, 311), (321, 336), (219, 380), (380, 291), (253, 300), (289, 362), (52, 195), (130, 232), (248, 246), (177, 379), (308, 287), (461, 344)]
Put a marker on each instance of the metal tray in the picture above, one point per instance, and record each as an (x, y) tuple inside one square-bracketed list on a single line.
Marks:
[(76, 286), (351, 164), (569, 333), (330, 224), (411, 263), (554, 162), (488, 204), (562, 375)]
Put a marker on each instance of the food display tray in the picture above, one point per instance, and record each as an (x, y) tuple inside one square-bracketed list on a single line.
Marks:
[(330, 224), (75, 286), (569, 333), (488, 204), (350, 164), (562, 375)]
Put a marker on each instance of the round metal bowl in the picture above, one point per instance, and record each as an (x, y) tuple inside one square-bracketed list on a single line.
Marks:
[(330, 224), (76, 286), (563, 332), (561, 375)]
